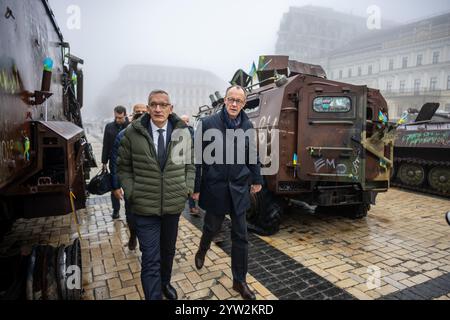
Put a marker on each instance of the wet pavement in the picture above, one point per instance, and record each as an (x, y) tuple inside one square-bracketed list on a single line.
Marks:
[(401, 250)]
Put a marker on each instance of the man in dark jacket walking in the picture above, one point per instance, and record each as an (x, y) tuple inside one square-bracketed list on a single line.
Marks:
[(111, 130), (138, 111), (224, 188), (192, 206), (156, 171)]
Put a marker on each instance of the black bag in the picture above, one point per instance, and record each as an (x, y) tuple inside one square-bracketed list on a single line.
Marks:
[(101, 183)]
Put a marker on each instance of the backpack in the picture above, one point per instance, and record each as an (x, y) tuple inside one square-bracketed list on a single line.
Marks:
[(101, 183)]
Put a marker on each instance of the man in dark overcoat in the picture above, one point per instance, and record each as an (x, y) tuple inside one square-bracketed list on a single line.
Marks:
[(224, 181)]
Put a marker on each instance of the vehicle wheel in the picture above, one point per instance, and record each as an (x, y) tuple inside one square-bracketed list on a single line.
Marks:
[(76, 261), (61, 272), (6, 218), (411, 174), (30, 274), (264, 215), (439, 179), (329, 210), (356, 211)]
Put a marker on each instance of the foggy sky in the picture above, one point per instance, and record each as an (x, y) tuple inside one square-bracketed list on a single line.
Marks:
[(216, 35)]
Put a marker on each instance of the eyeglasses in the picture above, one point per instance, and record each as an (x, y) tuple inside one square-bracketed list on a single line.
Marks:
[(239, 102), (163, 106)]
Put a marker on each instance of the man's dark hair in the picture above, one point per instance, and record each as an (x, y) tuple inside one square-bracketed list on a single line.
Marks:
[(236, 87), (120, 110)]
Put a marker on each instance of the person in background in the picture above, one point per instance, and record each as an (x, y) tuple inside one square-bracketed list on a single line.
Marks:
[(192, 206), (138, 111), (111, 130)]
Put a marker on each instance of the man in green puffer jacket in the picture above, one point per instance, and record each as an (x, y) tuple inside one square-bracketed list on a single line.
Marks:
[(156, 168)]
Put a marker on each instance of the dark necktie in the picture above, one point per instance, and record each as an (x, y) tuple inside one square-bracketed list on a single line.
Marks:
[(161, 147)]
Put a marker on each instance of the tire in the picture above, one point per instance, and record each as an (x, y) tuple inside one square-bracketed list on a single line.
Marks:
[(61, 272), (355, 211), (76, 260), (328, 210), (411, 174), (6, 218), (264, 216)]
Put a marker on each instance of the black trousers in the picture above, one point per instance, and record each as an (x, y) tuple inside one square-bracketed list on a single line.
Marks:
[(157, 240), (115, 203), (130, 217), (128, 214), (239, 241)]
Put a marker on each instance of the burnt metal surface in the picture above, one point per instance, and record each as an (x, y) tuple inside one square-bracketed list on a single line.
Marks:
[(38, 88)]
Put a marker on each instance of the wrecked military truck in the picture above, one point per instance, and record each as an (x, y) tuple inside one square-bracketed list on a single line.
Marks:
[(335, 145)]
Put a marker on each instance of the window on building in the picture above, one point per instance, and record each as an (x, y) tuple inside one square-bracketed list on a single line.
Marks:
[(447, 107), (359, 71), (405, 62), (349, 73), (391, 64), (402, 86), (369, 70), (389, 86), (448, 83), (433, 82), (416, 86), (332, 74), (419, 59), (340, 74), (435, 57)]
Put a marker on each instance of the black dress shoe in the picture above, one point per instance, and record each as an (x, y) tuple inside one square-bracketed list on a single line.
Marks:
[(169, 292), (115, 215), (244, 290), (132, 242), (199, 259)]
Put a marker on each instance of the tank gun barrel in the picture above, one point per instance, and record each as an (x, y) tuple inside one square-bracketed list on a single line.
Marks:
[(219, 97), (213, 100)]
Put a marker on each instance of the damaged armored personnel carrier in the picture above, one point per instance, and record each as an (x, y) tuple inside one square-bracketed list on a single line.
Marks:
[(422, 151), (335, 144)]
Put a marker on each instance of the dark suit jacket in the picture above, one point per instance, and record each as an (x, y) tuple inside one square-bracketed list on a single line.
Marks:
[(109, 136)]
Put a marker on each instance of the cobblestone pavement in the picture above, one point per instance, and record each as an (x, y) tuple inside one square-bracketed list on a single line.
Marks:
[(400, 251)]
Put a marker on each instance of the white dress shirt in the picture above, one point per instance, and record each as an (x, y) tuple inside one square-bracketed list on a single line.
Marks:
[(155, 134)]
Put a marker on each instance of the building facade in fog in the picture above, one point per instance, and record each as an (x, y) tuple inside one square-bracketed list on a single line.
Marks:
[(309, 32), (188, 88), (410, 64)]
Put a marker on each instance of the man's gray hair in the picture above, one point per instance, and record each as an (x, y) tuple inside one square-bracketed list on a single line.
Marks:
[(157, 91)]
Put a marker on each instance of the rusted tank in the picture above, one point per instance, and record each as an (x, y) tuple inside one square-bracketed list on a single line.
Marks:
[(335, 143), (44, 154), (422, 151)]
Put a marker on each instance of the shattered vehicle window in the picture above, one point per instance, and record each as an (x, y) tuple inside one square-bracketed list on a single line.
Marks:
[(332, 104)]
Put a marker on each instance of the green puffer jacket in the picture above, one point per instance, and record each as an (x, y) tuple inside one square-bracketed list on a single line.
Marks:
[(148, 190)]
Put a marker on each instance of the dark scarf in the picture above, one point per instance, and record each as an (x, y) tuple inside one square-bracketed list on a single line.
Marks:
[(231, 123)]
